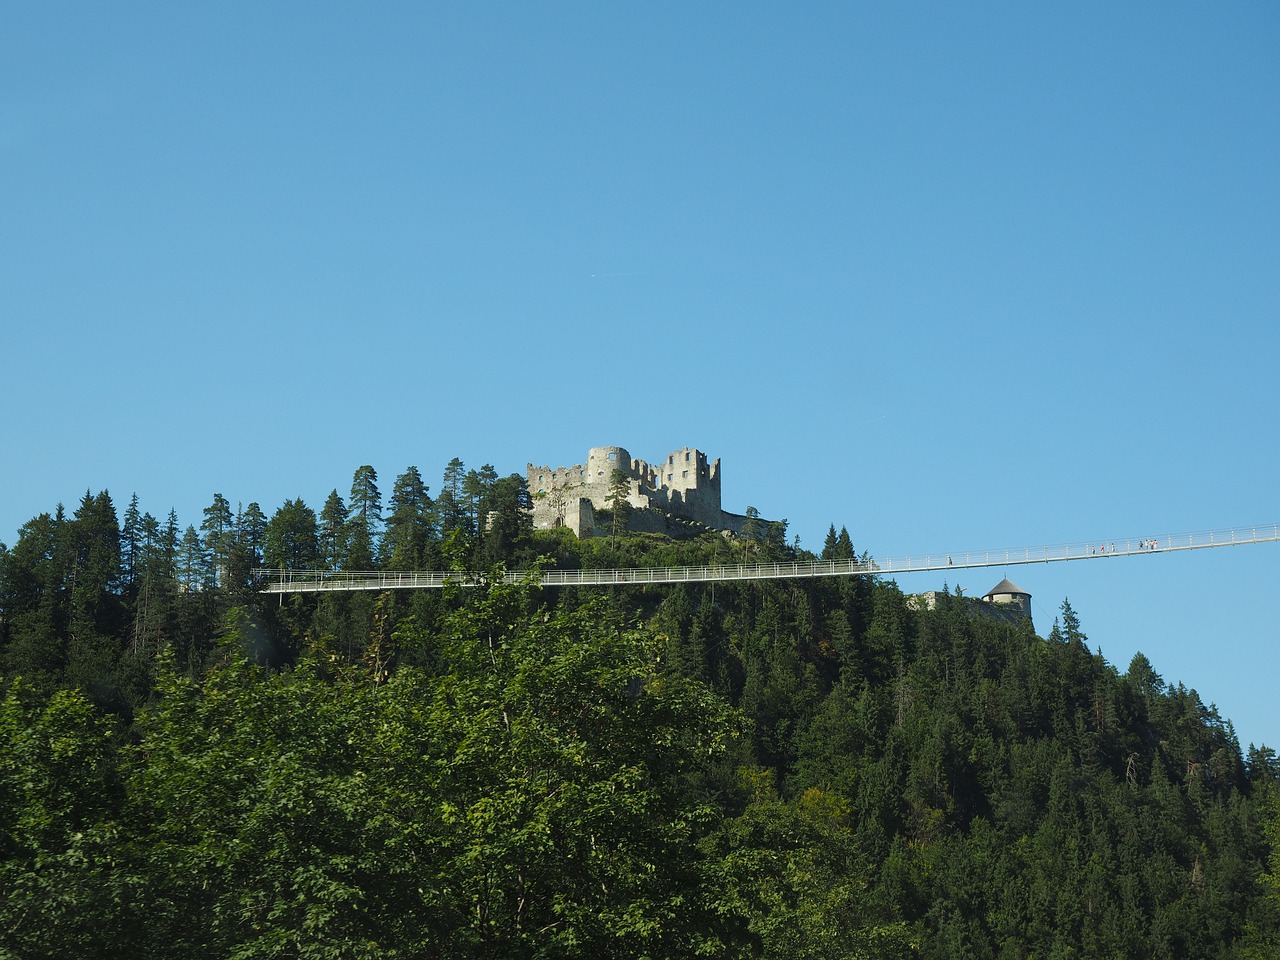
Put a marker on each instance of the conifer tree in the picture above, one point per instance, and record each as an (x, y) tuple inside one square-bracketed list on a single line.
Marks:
[(290, 541), (218, 527), (365, 520), (844, 546), (36, 610), (750, 531), (477, 487), (333, 532), (408, 530), (250, 530), (619, 506), (365, 501), (451, 513), (169, 542), (130, 542), (508, 518), (193, 561), (96, 563), (829, 544)]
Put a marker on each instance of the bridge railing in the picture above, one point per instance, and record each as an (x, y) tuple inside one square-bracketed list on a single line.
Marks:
[(299, 581), (1085, 549)]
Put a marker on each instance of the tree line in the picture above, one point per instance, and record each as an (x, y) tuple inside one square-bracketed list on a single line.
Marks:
[(90, 597), (754, 769)]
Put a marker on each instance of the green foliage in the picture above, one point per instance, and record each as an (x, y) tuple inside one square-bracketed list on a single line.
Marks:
[(763, 769), (619, 505), (409, 533), (332, 532), (508, 526), (1264, 938), (218, 527), (366, 517), (532, 797), (451, 508), (65, 886), (790, 873), (290, 541)]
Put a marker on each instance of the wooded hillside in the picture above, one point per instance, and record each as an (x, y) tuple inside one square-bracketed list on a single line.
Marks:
[(759, 769)]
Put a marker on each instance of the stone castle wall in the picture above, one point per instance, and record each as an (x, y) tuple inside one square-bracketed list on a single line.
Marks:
[(684, 485)]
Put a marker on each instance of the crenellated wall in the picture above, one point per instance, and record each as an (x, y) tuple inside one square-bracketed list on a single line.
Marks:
[(685, 484), (692, 485)]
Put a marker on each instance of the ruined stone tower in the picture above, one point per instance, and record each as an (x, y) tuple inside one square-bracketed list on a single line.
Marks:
[(678, 495)]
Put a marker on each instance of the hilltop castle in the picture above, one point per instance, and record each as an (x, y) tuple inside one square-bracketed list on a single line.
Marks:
[(679, 496)]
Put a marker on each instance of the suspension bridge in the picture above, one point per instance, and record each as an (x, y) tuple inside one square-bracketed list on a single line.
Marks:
[(328, 581)]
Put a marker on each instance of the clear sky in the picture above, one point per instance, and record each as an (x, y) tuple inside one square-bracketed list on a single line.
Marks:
[(954, 276)]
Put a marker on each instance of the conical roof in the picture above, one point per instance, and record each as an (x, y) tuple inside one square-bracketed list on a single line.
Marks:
[(1006, 586)]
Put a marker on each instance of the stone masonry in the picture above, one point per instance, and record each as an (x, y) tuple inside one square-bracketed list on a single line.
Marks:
[(679, 495)]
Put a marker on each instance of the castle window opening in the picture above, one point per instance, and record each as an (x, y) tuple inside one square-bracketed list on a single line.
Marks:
[(613, 456), (684, 474), (686, 457)]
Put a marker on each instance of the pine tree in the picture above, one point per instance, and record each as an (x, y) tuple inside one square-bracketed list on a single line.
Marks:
[(365, 501), (844, 546), (96, 564), (477, 487), (750, 531), (156, 594), (218, 527), (451, 513), (619, 505), (193, 562), (366, 519), (508, 518), (829, 544), (1071, 631), (169, 541), (334, 532), (250, 530), (36, 609), (290, 541), (130, 542), (409, 530)]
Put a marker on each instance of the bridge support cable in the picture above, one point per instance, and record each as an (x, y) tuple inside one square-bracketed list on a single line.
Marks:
[(325, 581)]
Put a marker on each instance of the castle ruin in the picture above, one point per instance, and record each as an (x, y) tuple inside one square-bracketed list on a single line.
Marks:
[(679, 496)]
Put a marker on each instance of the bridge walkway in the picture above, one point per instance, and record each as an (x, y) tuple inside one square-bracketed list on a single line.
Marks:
[(318, 581)]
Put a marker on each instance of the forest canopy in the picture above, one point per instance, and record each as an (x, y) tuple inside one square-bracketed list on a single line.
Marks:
[(760, 769)]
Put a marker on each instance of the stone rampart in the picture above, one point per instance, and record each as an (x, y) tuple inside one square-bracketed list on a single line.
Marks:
[(683, 485)]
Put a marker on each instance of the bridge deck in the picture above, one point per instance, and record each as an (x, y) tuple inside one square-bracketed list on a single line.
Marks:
[(315, 581)]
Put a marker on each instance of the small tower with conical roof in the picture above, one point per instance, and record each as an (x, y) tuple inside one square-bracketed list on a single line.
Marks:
[(1007, 592)]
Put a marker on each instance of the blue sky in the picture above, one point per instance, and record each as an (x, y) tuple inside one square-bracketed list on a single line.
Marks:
[(954, 278)]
